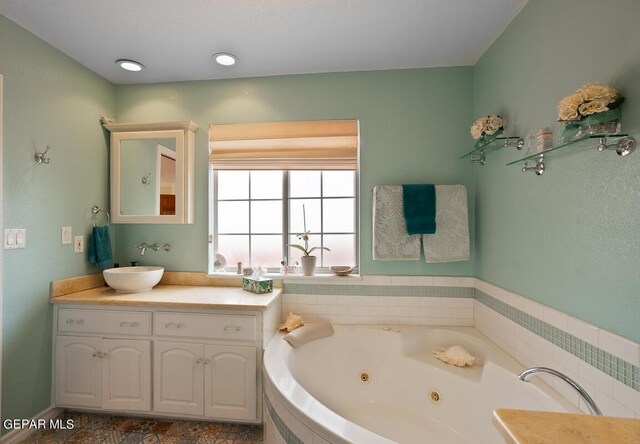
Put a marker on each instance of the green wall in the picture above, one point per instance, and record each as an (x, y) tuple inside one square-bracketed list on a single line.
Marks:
[(48, 99), (570, 238), (413, 127)]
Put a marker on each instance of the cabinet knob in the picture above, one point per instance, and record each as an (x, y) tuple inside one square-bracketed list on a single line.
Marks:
[(128, 324), (233, 328), (180, 325), (80, 321), (170, 325), (70, 321), (199, 361)]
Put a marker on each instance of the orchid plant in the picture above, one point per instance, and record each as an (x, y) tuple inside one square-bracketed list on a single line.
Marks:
[(305, 238)]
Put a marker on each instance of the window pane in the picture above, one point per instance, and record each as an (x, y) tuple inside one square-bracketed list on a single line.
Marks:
[(266, 184), (342, 250), (233, 217), (338, 215), (266, 216), (266, 251), (236, 248), (312, 211), (304, 183), (338, 183), (233, 185)]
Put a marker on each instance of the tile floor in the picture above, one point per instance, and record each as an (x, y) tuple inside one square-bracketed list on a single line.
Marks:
[(105, 429)]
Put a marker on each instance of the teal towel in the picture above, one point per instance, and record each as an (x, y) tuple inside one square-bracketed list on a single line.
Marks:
[(419, 208), (100, 247)]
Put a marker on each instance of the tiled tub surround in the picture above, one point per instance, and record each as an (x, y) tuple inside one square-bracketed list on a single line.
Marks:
[(605, 364), (401, 300)]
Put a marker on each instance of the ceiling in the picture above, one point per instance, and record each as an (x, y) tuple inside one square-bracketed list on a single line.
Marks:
[(175, 39)]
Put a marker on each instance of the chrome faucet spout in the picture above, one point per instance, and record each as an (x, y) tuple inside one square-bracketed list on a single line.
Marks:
[(591, 405), (142, 247)]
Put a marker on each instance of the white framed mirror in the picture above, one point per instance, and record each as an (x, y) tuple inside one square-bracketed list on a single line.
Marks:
[(152, 168)]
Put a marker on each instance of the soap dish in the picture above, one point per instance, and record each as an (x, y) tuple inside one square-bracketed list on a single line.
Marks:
[(341, 270)]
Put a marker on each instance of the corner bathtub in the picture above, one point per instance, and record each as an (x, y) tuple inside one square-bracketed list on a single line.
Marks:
[(409, 397)]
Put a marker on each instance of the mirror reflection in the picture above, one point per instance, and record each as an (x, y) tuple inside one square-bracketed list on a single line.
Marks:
[(148, 177)]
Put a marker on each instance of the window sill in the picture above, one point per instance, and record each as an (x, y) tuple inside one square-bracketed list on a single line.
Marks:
[(297, 278)]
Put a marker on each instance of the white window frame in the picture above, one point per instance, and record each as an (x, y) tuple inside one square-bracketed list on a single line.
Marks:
[(213, 206)]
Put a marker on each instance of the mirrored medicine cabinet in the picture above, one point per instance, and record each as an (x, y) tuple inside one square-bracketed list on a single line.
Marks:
[(152, 169)]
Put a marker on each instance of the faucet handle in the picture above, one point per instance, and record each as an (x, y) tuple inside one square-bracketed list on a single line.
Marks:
[(167, 247), (155, 247)]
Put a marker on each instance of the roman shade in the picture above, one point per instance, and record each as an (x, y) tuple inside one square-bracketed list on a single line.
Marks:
[(301, 145)]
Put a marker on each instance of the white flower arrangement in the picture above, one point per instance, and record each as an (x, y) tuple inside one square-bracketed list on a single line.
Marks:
[(593, 108), (486, 125), (589, 99)]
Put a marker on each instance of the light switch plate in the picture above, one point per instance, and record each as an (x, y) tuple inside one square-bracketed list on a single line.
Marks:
[(66, 235), (15, 238)]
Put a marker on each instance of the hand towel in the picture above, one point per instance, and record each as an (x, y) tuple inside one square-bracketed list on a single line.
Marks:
[(451, 241), (390, 238), (100, 247), (419, 208), (308, 333)]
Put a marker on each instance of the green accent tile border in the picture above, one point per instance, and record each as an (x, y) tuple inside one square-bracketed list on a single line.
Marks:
[(617, 368), (285, 432), (380, 290)]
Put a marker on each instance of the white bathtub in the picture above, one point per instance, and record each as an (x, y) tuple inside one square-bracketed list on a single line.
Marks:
[(320, 386)]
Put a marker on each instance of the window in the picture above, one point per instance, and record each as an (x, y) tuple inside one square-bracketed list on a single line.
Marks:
[(266, 179), (257, 214)]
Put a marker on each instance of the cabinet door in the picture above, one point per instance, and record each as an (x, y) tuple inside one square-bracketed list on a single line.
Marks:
[(178, 377), (78, 371), (230, 382), (126, 374)]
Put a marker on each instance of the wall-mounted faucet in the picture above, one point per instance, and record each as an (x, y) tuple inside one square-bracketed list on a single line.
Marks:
[(142, 247), (155, 247), (527, 374)]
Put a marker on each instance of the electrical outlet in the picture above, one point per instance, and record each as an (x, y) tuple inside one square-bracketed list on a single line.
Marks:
[(66, 236), (78, 244)]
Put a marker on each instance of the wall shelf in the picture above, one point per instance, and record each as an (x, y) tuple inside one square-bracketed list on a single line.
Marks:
[(622, 144), (491, 145)]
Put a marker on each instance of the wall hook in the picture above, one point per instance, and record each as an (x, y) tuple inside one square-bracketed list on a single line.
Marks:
[(146, 180), (41, 157)]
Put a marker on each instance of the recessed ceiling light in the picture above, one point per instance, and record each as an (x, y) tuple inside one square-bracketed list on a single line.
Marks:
[(130, 65), (225, 59)]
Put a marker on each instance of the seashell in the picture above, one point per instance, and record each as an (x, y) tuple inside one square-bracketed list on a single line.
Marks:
[(293, 321), (456, 355)]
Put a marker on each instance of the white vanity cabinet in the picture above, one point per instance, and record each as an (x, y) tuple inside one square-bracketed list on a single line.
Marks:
[(217, 381), (192, 363), (94, 369)]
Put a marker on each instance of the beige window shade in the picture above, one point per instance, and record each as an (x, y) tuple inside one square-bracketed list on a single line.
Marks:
[(304, 145)]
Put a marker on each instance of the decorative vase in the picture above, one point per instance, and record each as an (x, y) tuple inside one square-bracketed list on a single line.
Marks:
[(308, 265)]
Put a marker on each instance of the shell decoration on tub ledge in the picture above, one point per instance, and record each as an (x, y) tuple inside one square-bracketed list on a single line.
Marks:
[(456, 355), (293, 321)]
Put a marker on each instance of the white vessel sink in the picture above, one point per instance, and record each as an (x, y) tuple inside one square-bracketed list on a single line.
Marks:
[(133, 279)]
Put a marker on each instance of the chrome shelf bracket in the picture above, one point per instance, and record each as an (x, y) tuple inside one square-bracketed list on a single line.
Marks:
[(622, 147), (538, 168), (480, 158), (517, 143)]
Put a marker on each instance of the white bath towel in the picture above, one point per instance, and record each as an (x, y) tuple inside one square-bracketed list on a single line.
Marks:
[(391, 241), (450, 243)]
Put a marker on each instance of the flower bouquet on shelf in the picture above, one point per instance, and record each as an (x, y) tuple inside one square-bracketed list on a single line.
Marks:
[(486, 129), (592, 109)]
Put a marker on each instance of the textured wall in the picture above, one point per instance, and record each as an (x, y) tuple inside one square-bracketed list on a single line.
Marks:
[(569, 239), (413, 129), (48, 99)]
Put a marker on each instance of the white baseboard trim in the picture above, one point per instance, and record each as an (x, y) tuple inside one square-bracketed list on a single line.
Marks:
[(17, 435)]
